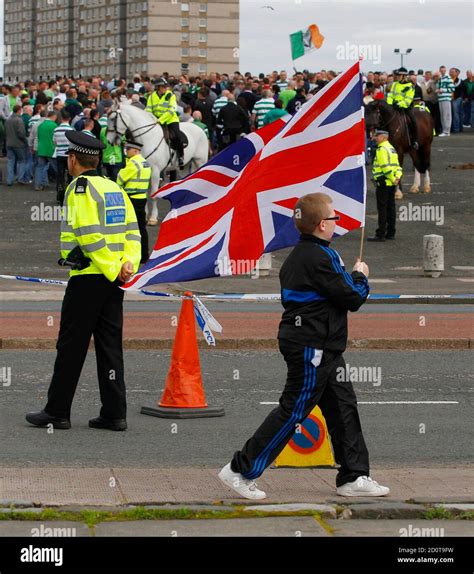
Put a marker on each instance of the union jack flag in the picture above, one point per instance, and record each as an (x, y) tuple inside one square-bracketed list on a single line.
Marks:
[(240, 204)]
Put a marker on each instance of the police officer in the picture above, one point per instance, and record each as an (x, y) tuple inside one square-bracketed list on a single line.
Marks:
[(162, 104), (386, 172), (100, 241), (135, 180), (401, 97), (317, 293)]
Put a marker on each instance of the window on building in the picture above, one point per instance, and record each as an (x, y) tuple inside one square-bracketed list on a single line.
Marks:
[(203, 37), (202, 22), (184, 51), (202, 7), (185, 7), (202, 68), (184, 22), (185, 37), (202, 52)]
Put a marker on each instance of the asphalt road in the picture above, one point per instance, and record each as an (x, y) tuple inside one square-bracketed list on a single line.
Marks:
[(31, 247), (151, 305), (392, 431)]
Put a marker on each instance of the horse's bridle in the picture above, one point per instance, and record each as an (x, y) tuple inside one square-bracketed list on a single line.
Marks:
[(147, 128), (386, 124)]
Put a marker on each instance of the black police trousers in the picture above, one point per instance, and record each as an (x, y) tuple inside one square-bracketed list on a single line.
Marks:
[(92, 305), (139, 207), (173, 130), (385, 196), (314, 378)]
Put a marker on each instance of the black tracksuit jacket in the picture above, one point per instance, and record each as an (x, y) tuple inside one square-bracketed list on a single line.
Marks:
[(317, 293)]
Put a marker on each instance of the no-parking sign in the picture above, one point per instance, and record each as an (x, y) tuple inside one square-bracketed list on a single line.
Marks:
[(310, 446)]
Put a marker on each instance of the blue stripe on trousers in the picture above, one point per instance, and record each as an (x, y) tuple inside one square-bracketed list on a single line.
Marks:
[(308, 385)]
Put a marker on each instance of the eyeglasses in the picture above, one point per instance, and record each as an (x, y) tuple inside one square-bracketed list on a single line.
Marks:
[(335, 218)]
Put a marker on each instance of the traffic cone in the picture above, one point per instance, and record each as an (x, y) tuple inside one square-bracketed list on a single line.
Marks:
[(184, 396)]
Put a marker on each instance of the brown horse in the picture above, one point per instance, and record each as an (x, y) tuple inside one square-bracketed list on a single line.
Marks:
[(379, 114)]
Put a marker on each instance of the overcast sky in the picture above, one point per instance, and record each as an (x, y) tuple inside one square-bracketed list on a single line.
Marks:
[(439, 32)]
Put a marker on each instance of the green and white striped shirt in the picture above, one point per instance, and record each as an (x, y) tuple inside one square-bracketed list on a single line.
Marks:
[(261, 108), (60, 140), (219, 103), (446, 86), (103, 121)]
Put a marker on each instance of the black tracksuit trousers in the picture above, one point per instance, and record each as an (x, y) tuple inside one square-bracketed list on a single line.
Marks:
[(92, 305), (309, 384)]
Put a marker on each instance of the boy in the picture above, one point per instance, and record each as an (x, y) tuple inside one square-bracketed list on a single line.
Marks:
[(316, 293)]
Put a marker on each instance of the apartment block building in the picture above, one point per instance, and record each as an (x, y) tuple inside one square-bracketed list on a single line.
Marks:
[(46, 38)]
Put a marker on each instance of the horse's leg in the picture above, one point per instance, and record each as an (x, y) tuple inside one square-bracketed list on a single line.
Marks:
[(152, 207), (427, 182), (415, 188), (398, 191)]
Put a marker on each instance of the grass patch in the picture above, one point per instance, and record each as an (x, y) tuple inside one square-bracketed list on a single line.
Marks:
[(94, 517), (439, 513)]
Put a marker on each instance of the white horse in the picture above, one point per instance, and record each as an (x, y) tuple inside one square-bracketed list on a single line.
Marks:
[(143, 127)]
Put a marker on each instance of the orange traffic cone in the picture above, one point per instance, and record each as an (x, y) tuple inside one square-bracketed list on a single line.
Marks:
[(184, 396)]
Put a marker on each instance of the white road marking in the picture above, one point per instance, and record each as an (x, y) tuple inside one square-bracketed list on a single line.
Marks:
[(390, 403), (463, 267), (382, 281), (465, 280)]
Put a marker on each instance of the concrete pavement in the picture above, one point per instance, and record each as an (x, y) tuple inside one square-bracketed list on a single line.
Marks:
[(116, 486)]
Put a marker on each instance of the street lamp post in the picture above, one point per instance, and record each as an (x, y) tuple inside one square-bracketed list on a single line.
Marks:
[(398, 51)]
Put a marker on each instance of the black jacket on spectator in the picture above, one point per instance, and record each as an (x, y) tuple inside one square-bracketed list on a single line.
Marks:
[(205, 108), (459, 89), (316, 293), (233, 117), (295, 104), (250, 99)]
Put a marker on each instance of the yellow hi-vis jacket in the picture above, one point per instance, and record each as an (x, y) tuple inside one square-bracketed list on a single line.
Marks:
[(386, 164), (135, 177), (101, 220), (164, 107), (401, 94)]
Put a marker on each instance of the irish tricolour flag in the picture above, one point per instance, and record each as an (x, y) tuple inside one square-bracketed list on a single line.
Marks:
[(305, 41)]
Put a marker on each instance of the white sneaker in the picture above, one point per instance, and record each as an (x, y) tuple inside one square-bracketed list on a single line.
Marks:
[(363, 486), (443, 135), (243, 486)]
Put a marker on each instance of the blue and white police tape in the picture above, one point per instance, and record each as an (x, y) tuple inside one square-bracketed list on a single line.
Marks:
[(208, 323)]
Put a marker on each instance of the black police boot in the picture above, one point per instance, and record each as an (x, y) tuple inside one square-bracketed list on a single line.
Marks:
[(42, 419), (110, 424), (375, 238)]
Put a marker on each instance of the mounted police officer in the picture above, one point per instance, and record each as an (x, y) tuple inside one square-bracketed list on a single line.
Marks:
[(162, 104), (101, 242), (401, 98), (386, 172)]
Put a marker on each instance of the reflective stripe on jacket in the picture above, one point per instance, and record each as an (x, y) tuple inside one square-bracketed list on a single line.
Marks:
[(401, 94), (164, 107), (386, 163), (135, 177), (101, 220)]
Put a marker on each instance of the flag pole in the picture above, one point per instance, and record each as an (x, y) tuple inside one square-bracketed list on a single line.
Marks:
[(361, 242), (361, 58)]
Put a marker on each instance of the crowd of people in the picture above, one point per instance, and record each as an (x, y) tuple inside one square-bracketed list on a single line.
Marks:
[(35, 115)]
